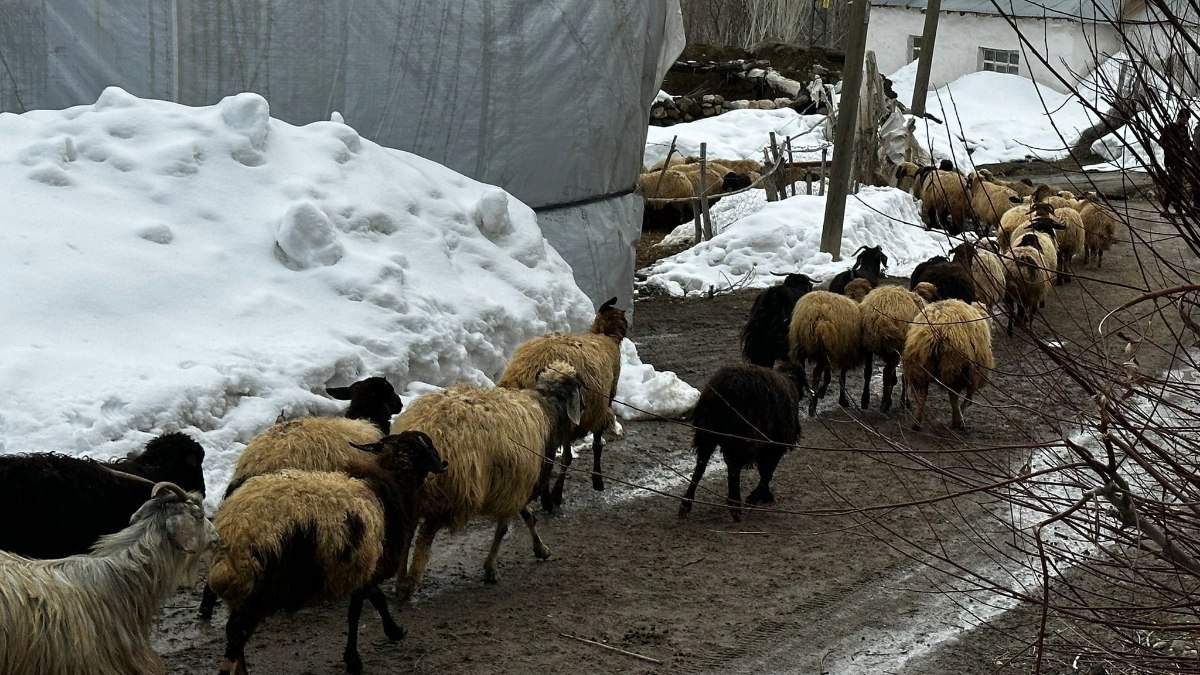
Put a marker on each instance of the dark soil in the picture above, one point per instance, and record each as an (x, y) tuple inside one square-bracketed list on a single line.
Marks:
[(786, 590)]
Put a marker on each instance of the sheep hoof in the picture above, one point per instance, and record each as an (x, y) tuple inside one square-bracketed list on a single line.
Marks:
[(556, 495), (843, 401), (883, 407), (394, 632), (404, 589), (736, 513), (684, 509), (490, 577), (547, 502), (541, 551), (353, 663), (597, 482)]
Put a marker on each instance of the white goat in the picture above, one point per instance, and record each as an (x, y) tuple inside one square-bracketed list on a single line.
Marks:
[(93, 613)]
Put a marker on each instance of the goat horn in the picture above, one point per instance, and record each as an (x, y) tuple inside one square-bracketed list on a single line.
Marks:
[(608, 304), (165, 485)]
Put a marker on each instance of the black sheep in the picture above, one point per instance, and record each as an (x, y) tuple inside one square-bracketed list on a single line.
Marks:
[(765, 335), (735, 181), (373, 399), (59, 506), (746, 401), (918, 272), (952, 280), (870, 261)]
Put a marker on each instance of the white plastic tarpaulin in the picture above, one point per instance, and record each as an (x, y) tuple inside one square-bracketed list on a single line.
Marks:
[(547, 99)]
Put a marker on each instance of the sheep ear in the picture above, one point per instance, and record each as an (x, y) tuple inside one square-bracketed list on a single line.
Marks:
[(1014, 199), (373, 448), (340, 393), (607, 305), (575, 407), (185, 532)]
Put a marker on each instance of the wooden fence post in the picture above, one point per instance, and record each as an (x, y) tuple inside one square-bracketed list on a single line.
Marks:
[(705, 221)]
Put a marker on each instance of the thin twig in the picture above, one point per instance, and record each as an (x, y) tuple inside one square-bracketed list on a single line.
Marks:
[(615, 649)]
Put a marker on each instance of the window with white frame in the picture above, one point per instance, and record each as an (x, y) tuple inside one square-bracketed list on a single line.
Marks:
[(1000, 60), (914, 47)]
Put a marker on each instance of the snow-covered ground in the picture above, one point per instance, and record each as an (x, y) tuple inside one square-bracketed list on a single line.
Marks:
[(201, 269), (739, 134), (785, 236)]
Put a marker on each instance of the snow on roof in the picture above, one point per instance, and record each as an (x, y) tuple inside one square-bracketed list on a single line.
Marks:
[(1070, 10)]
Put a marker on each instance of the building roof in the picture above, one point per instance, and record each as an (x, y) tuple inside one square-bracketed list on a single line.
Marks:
[(1071, 10)]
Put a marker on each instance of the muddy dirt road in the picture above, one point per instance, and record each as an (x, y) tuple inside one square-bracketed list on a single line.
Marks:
[(783, 591)]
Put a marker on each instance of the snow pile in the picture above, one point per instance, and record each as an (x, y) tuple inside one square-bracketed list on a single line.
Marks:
[(738, 134), (995, 117), (649, 392), (202, 269), (785, 236)]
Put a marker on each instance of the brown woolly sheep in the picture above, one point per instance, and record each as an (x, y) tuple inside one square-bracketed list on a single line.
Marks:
[(596, 356), (827, 328), (294, 539), (1023, 187), (857, 289), (1027, 280), (986, 270), (669, 184), (989, 201), (1099, 227), (945, 200), (949, 343), (906, 176), (499, 444), (887, 313), (1069, 240)]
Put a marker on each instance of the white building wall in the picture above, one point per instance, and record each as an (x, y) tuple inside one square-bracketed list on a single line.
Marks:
[(960, 36)]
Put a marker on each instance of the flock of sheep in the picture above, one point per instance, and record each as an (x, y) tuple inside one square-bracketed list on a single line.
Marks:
[(323, 509), (938, 329), (318, 509)]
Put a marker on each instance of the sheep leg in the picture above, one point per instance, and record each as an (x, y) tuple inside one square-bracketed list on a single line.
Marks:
[(557, 493), (391, 629), (889, 383), (842, 399), (208, 602), (489, 565), (540, 550), (241, 624), (866, 396), (826, 375), (956, 421), (420, 559), (597, 450), (734, 500), (350, 655), (704, 451), (768, 459)]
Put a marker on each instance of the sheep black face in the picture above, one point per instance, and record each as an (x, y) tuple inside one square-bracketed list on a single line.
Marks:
[(734, 181), (175, 456), (946, 165), (798, 282), (373, 399), (415, 447)]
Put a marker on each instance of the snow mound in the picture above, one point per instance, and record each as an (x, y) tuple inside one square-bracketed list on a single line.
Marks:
[(202, 269), (650, 393), (785, 236)]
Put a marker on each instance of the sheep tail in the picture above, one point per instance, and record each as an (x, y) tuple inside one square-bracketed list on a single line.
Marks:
[(234, 577)]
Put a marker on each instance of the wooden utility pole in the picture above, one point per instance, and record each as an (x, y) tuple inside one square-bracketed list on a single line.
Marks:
[(933, 9), (843, 133)]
